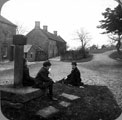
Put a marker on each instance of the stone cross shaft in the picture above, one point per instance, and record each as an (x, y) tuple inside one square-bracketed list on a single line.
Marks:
[(19, 41)]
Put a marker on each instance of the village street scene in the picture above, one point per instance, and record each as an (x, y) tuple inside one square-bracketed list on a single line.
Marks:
[(100, 71), (44, 77)]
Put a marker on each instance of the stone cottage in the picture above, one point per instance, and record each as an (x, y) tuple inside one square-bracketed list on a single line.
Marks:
[(34, 53), (52, 44), (7, 30)]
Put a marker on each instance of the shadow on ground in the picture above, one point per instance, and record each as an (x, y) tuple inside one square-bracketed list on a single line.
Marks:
[(95, 102)]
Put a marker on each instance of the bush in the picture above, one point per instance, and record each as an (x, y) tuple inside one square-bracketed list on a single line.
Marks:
[(75, 54), (115, 55)]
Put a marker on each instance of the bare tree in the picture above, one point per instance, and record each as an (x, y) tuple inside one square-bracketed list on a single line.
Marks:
[(20, 29), (84, 37)]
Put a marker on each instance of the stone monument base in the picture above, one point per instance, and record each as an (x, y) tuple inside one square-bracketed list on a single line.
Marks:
[(19, 95)]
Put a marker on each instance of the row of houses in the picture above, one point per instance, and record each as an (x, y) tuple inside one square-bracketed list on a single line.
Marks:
[(44, 44), (41, 44)]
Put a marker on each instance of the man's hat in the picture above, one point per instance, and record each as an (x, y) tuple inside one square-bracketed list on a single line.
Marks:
[(46, 63), (74, 63)]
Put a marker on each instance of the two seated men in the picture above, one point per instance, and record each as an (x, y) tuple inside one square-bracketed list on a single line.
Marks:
[(43, 81)]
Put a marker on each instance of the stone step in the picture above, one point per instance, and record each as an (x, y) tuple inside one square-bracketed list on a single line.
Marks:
[(47, 112), (64, 103), (70, 96), (19, 95)]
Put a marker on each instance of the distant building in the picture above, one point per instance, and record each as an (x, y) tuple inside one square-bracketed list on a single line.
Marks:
[(51, 44), (34, 53), (7, 30)]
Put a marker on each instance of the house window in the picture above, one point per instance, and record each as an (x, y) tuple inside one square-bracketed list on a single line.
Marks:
[(31, 54), (5, 52), (25, 55)]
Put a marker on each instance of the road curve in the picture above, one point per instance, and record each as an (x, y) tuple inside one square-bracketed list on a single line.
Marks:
[(103, 70)]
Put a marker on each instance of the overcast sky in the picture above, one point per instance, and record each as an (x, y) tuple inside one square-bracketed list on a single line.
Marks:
[(65, 16)]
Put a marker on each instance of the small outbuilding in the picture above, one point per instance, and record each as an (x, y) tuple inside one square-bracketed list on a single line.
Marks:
[(34, 53)]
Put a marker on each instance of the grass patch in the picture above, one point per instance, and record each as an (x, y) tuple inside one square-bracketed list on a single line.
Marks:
[(95, 102), (89, 58), (116, 56), (98, 51)]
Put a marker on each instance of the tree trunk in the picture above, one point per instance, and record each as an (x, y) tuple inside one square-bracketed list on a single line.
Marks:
[(118, 45)]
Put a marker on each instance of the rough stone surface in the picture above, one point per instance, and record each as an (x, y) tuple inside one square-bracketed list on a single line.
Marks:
[(19, 95), (46, 112), (64, 103), (69, 96), (101, 71), (19, 40)]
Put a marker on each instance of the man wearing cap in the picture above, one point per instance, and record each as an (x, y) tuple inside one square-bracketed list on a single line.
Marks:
[(74, 78), (43, 81)]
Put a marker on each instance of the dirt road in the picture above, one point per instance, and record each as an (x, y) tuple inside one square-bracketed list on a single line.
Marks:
[(102, 71)]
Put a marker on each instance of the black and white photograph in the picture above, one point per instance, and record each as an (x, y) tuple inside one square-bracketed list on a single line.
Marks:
[(60, 59)]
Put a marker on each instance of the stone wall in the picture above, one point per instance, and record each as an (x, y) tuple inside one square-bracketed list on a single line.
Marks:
[(6, 34), (37, 38), (52, 49)]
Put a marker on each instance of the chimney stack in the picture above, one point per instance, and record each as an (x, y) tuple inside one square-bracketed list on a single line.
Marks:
[(55, 33), (37, 24), (45, 28)]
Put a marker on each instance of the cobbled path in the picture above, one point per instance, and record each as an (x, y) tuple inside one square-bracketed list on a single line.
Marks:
[(102, 71)]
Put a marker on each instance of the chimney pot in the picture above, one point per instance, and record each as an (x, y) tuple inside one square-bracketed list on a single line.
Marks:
[(55, 33), (37, 24), (45, 28)]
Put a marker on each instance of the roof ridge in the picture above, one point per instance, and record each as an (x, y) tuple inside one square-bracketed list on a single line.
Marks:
[(49, 35), (53, 36), (6, 21)]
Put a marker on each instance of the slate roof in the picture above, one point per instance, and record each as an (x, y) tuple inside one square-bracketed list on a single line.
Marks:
[(5, 21), (61, 39), (27, 48), (53, 37)]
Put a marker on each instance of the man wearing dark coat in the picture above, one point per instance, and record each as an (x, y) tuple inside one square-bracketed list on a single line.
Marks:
[(27, 79), (43, 81), (74, 78)]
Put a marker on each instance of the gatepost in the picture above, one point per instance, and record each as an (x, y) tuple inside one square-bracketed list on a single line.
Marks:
[(16, 95), (19, 41)]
